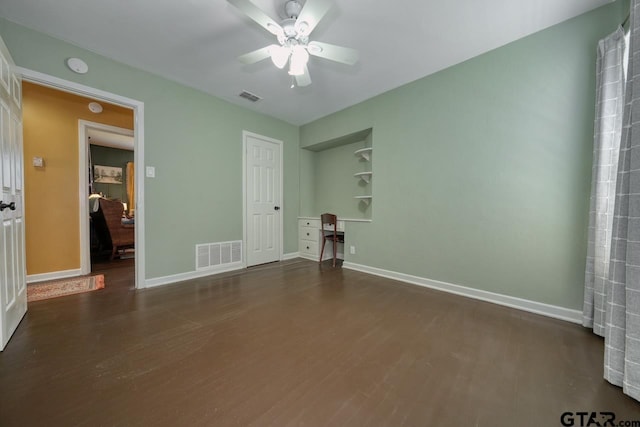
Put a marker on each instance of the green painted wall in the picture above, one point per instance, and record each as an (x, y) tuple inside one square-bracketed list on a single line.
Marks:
[(193, 139), (107, 156), (335, 185), (483, 170), (307, 183)]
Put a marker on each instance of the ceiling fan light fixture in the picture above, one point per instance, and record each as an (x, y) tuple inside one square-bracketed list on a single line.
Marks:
[(292, 8), (280, 56), (274, 29), (314, 49), (299, 59), (289, 27), (303, 28), (292, 32)]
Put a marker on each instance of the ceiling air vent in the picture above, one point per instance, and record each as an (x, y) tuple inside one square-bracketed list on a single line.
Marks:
[(248, 95)]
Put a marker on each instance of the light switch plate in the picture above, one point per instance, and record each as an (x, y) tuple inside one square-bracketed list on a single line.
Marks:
[(150, 172), (38, 162)]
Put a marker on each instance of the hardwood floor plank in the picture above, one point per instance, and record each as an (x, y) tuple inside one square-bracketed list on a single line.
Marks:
[(293, 344)]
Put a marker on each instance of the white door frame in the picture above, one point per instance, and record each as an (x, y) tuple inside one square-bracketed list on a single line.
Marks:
[(83, 189), (245, 135), (138, 156)]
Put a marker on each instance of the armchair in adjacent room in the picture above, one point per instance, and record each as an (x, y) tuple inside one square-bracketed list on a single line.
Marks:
[(122, 235)]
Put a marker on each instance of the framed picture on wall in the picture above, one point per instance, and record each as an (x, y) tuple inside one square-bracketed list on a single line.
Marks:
[(107, 174)]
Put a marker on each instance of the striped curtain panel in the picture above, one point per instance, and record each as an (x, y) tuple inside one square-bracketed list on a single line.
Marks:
[(622, 323), (606, 146)]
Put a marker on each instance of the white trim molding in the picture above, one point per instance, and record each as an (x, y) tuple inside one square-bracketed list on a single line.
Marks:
[(291, 255), (556, 312), (138, 155), (181, 277), (54, 275)]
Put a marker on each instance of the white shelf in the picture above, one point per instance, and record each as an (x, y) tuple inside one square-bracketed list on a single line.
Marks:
[(365, 176), (365, 199), (365, 153)]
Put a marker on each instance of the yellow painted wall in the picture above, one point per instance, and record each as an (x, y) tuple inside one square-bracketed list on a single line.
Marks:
[(50, 127)]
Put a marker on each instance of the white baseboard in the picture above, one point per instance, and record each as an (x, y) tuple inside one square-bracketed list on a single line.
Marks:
[(180, 277), (292, 255), (562, 313), (324, 257), (54, 275)]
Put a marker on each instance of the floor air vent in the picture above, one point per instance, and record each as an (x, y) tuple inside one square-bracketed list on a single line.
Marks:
[(211, 256)]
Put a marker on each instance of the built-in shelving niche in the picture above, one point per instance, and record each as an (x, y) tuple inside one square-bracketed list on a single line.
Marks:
[(340, 174)]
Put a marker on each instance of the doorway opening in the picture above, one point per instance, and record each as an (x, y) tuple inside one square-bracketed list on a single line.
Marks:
[(87, 130), (106, 175)]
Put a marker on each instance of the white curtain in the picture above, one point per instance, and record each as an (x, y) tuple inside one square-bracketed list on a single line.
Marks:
[(621, 290), (622, 333), (606, 146)]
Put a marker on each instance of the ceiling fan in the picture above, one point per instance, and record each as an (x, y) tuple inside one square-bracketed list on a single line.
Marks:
[(293, 37)]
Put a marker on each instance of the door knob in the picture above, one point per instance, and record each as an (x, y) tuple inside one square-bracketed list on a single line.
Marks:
[(276, 208), (11, 206)]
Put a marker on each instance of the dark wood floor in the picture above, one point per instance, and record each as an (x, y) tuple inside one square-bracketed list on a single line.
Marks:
[(293, 344)]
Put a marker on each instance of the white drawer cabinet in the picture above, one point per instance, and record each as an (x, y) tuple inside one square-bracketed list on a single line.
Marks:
[(309, 249), (309, 233), (310, 239), (308, 222)]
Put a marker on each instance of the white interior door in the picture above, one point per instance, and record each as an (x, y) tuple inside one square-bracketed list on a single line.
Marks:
[(263, 180), (13, 288)]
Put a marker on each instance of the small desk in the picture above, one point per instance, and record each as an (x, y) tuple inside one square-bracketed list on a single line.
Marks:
[(310, 239)]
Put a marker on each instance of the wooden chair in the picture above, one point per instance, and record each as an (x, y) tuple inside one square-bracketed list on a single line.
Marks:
[(333, 235), (122, 236)]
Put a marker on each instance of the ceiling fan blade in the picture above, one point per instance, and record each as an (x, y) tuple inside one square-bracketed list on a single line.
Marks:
[(303, 79), (312, 12), (256, 55), (253, 12), (332, 52)]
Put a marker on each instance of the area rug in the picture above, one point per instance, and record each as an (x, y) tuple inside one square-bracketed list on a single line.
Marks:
[(59, 288)]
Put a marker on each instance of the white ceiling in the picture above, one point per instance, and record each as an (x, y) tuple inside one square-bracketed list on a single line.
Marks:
[(196, 42), (110, 139)]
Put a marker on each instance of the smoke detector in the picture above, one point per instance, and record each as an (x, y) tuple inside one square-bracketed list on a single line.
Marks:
[(77, 65)]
